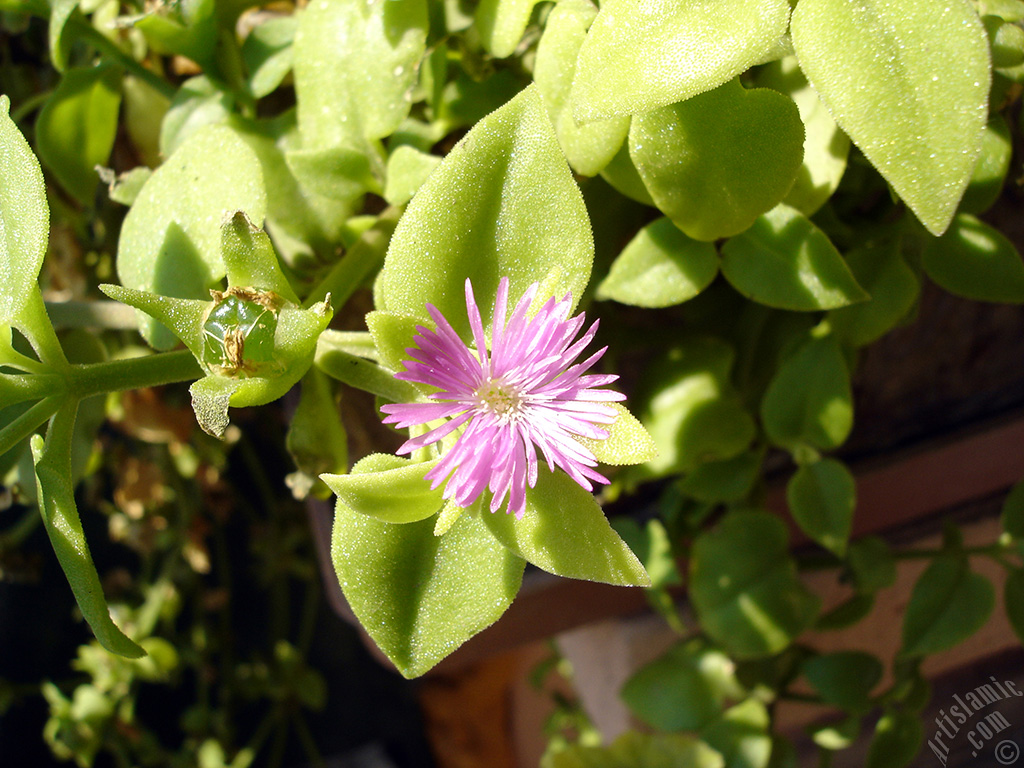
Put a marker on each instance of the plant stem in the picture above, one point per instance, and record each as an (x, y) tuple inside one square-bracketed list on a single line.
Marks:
[(28, 422), (365, 256), (134, 373)]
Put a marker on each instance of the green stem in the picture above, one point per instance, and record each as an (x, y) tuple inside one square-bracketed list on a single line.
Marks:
[(109, 315), (29, 422), (362, 374), (361, 260), (17, 388), (29, 105), (108, 48), (134, 373)]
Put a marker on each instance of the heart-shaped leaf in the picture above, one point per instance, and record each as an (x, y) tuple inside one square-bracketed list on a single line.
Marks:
[(660, 267), (809, 401), (641, 55), (821, 498), (784, 261), (684, 689), (745, 588), (564, 531), (974, 260), (420, 596), (884, 70), (717, 161), (503, 203), (949, 604)]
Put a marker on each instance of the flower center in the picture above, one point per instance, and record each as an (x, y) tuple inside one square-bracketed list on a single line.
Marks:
[(499, 398)]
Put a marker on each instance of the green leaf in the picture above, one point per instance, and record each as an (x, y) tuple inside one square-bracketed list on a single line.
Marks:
[(844, 679), (187, 29), (301, 222), (564, 531), (388, 488), (949, 604), (826, 147), (420, 596), (846, 614), (975, 261), (339, 173), (267, 53), (660, 267), (993, 165), (809, 400), (837, 736), (171, 242), (503, 203), (894, 289), (653, 549), (872, 564), (717, 161), (24, 218), (638, 750), (56, 493), (60, 39), (897, 739), (623, 176), (684, 689), (1013, 600), (501, 24), (875, 65), (784, 261), (692, 412), (640, 56), (821, 498), (723, 481), (741, 735), (407, 169), (250, 260), (339, 49), (590, 147), (199, 102), (183, 317), (627, 442), (1012, 516), (76, 129), (744, 585)]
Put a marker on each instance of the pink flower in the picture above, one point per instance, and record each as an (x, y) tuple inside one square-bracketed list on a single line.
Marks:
[(525, 395)]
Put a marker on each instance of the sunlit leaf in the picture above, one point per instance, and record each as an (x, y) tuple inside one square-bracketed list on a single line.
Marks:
[(744, 585), (503, 203), (564, 531), (784, 261), (717, 161), (418, 595), (885, 71), (639, 56)]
